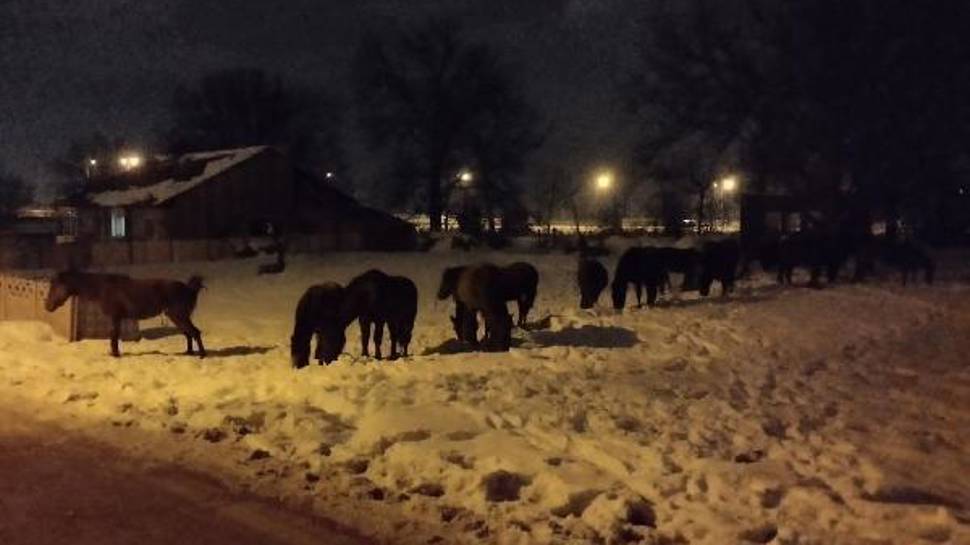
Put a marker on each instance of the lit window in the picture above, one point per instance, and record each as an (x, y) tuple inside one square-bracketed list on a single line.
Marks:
[(69, 225), (129, 162), (118, 223)]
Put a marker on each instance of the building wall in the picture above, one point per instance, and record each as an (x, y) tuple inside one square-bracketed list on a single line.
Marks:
[(259, 190)]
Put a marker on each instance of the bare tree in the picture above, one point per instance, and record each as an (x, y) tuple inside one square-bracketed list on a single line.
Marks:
[(429, 102), (248, 107), (552, 192), (837, 100)]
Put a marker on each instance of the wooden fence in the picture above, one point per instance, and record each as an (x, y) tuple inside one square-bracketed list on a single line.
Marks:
[(22, 298)]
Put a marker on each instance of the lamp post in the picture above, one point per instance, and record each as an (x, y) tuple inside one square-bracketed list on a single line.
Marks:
[(604, 184), (724, 189)]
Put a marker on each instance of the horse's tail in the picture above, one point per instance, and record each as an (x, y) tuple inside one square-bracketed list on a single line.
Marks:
[(195, 285)]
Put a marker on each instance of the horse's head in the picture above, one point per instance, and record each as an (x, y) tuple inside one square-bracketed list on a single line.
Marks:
[(330, 343), (449, 282), (63, 286)]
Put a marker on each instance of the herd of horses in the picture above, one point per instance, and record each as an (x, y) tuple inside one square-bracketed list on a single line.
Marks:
[(375, 299)]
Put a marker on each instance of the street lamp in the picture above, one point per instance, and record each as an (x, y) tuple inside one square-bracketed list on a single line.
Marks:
[(728, 184), (604, 182), (466, 177)]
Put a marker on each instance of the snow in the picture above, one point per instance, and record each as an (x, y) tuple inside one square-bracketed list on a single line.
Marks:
[(217, 162), (788, 416)]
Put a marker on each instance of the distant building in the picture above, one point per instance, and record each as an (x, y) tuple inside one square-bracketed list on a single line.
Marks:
[(167, 208)]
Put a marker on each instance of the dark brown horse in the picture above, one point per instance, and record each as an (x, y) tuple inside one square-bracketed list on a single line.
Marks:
[(592, 279), (517, 282), (480, 288), (642, 267), (122, 297), (319, 312), (375, 298)]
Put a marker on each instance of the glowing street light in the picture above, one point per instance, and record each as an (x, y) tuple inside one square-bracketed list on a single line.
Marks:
[(93, 162), (129, 162), (466, 176), (329, 175), (604, 182), (728, 184)]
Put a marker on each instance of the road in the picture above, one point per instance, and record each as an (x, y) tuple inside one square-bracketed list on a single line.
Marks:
[(56, 488)]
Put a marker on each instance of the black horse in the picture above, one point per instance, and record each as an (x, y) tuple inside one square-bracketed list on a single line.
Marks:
[(817, 252), (378, 299), (684, 261), (122, 297), (909, 258), (592, 279), (642, 267), (319, 312), (719, 261)]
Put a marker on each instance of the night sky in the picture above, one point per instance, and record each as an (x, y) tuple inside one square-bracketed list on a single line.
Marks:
[(72, 67)]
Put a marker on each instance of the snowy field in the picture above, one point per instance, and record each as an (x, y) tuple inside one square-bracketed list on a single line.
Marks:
[(787, 416)]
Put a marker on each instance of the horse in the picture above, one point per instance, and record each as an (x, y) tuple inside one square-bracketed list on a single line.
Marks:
[(910, 258), (122, 297), (816, 251), (592, 279), (319, 312), (719, 261), (520, 282), (481, 288), (683, 261), (642, 267), (517, 282), (375, 298)]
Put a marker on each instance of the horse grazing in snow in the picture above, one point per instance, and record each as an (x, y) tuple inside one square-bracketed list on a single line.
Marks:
[(122, 297), (719, 261), (642, 267), (372, 298), (592, 279), (319, 313), (377, 299), (485, 288)]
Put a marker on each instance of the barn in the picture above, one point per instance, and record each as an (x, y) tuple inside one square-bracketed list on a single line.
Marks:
[(202, 206)]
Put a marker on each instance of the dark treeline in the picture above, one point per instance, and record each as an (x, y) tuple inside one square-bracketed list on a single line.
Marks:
[(431, 103), (856, 106)]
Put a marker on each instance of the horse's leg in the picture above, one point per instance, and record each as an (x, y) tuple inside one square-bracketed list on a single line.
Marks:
[(115, 335), (318, 349), (392, 330), (197, 334), (523, 305), (469, 326), (185, 325), (639, 288), (364, 336), (378, 338)]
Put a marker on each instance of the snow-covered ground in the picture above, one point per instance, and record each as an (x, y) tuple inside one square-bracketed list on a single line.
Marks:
[(789, 416)]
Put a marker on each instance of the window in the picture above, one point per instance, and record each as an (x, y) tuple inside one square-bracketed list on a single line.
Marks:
[(69, 224), (118, 229)]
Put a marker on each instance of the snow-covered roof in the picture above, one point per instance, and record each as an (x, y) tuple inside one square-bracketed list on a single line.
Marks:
[(216, 162)]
